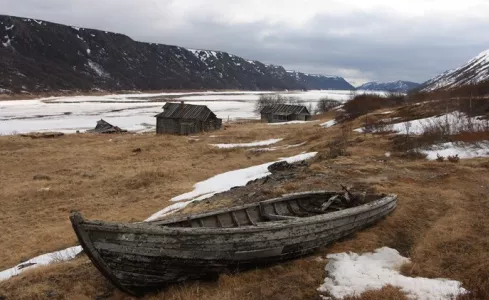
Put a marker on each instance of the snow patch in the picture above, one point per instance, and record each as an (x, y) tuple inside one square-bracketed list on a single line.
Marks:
[(463, 150), (41, 260), (97, 69), (247, 145), (417, 126), (76, 28), (168, 210), (277, 148), (89, 51), (455, 121), (225, 181), (7, 28), (291, 122), (350, 274), (328, 124)]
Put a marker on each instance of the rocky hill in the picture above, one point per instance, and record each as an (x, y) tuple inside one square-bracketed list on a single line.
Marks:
[(311, 81), (474, 71), (399, 86), (39, 56)]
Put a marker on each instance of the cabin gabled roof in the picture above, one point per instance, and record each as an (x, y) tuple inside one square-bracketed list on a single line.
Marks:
[(185, 111), (285, 109)]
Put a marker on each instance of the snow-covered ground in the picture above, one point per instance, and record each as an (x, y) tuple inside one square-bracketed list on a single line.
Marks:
[(41, 260), (134, 112), (454, 122), (248, 145), (457, 121), (328, 123), (350, 274), (291, 123), (224, 182), (461, 149), (266, 149)]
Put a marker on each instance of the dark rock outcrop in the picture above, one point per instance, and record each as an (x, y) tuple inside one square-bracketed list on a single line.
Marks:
[(39, 56)]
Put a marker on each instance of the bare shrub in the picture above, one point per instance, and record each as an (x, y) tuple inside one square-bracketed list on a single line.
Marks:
[(326, 104), (362, 104), (266, 100), (294, 101), (411, 154), (377, 126), (453, 158), (440, 158), (458, 128), (339, 145)]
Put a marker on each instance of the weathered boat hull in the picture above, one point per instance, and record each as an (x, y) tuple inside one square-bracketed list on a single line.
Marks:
[(140, 256)]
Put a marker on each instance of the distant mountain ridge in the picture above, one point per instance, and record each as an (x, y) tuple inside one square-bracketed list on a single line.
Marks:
[(474, 71), (400, 86), (326, 81), (40, 56)]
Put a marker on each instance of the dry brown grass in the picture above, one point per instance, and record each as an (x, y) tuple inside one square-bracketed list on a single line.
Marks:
[(440, 221)]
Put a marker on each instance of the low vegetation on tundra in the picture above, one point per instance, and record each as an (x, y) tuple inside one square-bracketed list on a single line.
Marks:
[(440, 222)]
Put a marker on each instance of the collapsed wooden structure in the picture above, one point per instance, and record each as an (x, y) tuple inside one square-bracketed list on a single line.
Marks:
[(140, 256), (105, 127), (184, 119)]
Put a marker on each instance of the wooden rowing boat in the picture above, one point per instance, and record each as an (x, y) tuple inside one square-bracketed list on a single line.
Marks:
[(138, 257)]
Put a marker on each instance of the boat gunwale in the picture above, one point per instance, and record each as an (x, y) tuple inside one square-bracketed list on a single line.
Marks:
[(285, 197), (151, 228)]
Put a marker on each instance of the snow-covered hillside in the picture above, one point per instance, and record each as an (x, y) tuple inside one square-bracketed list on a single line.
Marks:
[(39, 56), (474, 71), (399, 86)]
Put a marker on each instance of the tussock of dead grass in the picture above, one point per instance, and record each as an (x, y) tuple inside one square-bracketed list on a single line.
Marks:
[(386, 293)]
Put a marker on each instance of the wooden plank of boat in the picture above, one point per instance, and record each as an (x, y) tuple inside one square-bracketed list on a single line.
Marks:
[(140, 256)]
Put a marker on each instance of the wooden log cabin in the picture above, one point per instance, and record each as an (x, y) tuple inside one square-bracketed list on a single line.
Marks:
[(184, 119), (285, 113)]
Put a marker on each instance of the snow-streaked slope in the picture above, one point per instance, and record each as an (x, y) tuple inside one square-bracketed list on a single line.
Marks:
[(474, 71), (452, 123), (82, 59), (399, 86)]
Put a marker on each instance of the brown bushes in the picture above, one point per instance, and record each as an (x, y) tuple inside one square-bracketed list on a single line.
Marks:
[(362, 104)]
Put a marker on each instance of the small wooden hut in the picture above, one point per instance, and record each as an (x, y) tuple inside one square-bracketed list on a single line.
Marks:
[(181, 118), (284, 113)]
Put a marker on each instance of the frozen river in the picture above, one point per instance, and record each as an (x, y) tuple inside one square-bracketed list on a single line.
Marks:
[(134, 112)]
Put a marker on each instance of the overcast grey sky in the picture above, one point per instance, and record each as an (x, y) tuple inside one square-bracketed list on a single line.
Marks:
[(361, 40)]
